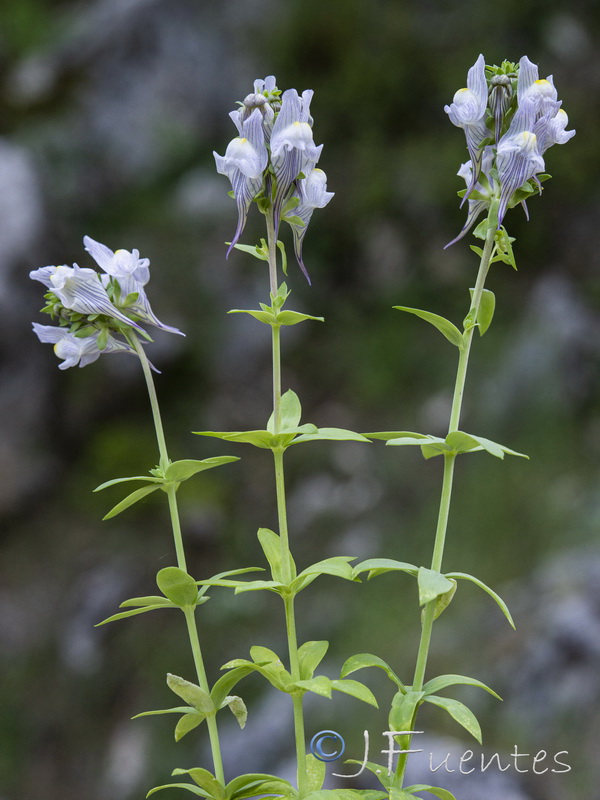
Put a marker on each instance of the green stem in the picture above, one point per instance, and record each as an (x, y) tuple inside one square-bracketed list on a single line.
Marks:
[(171, 490), (428, 613), (211, 720), (290, 618)]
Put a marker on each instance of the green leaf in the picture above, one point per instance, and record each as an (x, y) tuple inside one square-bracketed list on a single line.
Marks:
[(281, 248), (355, 689), (443, 794), (403, 710), (182, 470), (395, 435), (487, 307), (238, 709), (132, 498), (255, 784), (290, 410), (179, 587), (263, 655), (379, 566), (491, 592), (257, 586), (187, 723), (458, 711), (132, 613), (315, 773), (252, 250), (337, 565), (443, 681), (271, 545), (176, 710), (432, 584), (443, 325), (364, 660), (346, 794), (264, 439), (193, 789), (310, 655), (150, 600), (226, 683), (268, 317), (320, 685), (332, 435), (294, 317), (192, 694), (205, 780), (443, 601), (274, 672), (504, 248)]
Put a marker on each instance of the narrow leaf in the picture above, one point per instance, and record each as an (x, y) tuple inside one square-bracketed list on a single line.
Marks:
[(458, 711), (443, 794), (192, 694), (124, 480), (182, 470), (176, 710), (443, 325), (379, 566), (315, 773), (187, 723), (294, 317), (331, 434), (268, 317), (226, 683), (443, 681), (150, 600), (491, 592), (205, 780), (310, 655), (487, 307), (355, 689), (190, 787), (403, 710), (132, 613), (237, 708), (132, 498), (364, 660)]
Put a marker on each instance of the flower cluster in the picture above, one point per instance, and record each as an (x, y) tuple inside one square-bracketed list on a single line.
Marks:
[(510, 118), (93, 308), (273, 160)]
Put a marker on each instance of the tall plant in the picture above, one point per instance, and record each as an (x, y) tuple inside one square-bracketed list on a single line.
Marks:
[(510, 118)]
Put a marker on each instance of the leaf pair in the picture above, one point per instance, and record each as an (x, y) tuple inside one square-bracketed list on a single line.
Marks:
[(201, 705), (173, 475), (244, 786), (454, 444), (289, 430)]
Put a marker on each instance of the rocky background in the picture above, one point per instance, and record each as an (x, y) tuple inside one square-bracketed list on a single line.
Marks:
[(109, 112)]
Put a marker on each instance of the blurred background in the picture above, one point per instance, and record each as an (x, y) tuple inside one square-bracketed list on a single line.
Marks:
[(109, 113)]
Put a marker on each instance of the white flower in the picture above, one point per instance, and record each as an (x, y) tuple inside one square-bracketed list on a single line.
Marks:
[(244, 162), (293, 150), (132, 273), (312, 193), (467, 111), (79, 290), (74, 350)]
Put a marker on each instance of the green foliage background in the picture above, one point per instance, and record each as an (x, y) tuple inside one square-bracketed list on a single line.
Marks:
[(116, 107)]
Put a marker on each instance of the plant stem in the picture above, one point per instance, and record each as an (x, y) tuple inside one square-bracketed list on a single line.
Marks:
[(171, 491), (211, 720), (290, 619), (428, 613)]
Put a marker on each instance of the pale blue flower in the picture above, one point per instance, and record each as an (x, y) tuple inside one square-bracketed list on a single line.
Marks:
[(244, 162), (293, 150), (74, 350), (518, 157), (80, 290), (311, 193), (468, 111), (540, 92), (483, 191), (132, 273)]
